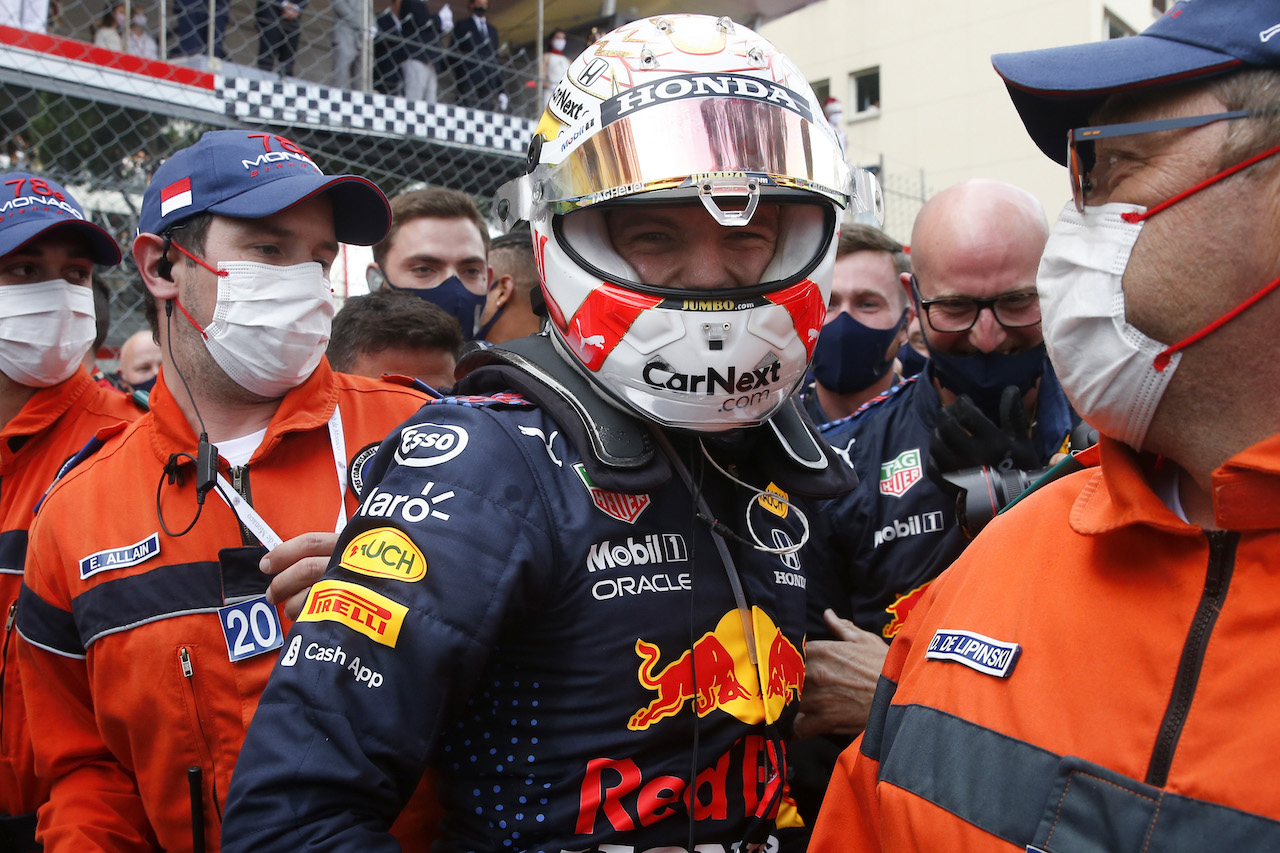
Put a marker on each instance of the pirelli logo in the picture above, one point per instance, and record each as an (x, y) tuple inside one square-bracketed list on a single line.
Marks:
[(376, 616)]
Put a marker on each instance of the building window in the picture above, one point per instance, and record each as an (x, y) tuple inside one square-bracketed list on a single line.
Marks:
[(1114, 28), (822, 90), (864, 90)]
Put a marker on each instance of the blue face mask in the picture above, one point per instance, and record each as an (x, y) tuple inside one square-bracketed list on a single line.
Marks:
[(912, 361), (452, 295), (146, 384), (482, 333), (983, 376), (849, 356)]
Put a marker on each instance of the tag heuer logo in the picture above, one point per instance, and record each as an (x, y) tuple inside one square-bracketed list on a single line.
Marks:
[(619, 505), (900, 474)]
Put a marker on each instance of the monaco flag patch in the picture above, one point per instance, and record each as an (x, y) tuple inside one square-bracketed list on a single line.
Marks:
[(175, 196)]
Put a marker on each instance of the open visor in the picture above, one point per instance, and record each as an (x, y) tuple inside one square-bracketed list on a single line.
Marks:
[(803, 234), (679, 145)]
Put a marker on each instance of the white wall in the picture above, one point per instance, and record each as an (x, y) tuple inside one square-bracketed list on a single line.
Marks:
[(347, 275), (943, 108)]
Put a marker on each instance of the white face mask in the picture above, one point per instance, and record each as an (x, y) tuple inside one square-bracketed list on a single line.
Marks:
[(1105, 365), (270, 325), (557, 44), (45, 331)]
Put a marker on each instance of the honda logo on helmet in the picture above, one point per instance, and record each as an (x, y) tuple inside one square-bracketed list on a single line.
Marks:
[(703, 86), (592, 72)]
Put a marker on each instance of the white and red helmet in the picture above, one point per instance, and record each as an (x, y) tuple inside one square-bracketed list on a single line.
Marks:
[(701, 110)]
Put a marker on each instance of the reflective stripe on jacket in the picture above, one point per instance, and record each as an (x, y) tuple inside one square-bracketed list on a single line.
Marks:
[(1137, 714)]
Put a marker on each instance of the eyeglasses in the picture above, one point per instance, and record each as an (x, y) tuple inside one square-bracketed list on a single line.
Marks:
[(958, 313), (1081, 157)]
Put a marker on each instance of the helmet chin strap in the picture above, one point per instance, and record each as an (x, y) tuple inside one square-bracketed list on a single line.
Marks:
[(711, 189)]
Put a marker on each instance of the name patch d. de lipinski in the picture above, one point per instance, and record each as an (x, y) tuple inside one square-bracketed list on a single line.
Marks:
[(975, 651)]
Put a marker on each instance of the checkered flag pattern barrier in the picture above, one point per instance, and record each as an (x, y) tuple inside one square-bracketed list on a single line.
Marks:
[(289, 103)]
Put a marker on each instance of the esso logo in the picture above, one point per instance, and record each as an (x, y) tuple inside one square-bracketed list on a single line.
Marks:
[(424, 445)]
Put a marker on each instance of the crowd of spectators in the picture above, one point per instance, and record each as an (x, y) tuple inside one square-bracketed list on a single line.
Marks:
[(413, 47)]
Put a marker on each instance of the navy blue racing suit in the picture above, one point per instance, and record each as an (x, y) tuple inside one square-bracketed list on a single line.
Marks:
[(879, 546), (567, 658), (897, 530)]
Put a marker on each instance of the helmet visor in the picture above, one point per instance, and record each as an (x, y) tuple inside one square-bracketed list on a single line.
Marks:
[(669, 249), (671, 147)]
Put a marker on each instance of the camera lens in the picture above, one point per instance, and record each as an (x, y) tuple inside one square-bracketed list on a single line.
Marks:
[(984, 491)]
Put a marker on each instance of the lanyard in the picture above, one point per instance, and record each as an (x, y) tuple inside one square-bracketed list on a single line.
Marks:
[(257, 525)]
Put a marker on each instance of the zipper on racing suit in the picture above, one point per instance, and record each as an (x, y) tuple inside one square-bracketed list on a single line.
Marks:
[(197, 803), (1222, 556), (240, 482), (4, 666)]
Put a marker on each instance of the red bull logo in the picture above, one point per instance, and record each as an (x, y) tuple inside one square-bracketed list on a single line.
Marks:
[(617, 795), (786, 669), (901, 607), (717, 673)]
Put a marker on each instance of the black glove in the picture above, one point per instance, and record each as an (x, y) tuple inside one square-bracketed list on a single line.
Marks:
[(964, 437)]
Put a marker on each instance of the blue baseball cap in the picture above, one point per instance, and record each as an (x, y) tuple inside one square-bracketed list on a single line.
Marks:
[(1057, 89), (251, 175), (38, 205)]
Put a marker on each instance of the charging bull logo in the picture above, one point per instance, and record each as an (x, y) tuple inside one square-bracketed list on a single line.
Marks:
[(785, 670), (716, 668), (901, 607), (717, 673)]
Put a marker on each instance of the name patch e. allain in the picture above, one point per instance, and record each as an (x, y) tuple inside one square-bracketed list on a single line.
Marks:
[(118, 558), (974, 651)]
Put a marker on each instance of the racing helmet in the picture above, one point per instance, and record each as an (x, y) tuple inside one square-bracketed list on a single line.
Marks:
[(704, 113)]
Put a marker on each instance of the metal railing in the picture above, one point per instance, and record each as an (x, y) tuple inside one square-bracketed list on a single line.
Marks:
[(329, 42)]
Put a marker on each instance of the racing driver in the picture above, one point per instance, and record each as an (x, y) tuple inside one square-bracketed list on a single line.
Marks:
[(577, 589)]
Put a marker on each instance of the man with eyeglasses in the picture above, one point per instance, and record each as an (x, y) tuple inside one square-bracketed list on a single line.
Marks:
[(976, 247), (986, 398), (1089, 675)]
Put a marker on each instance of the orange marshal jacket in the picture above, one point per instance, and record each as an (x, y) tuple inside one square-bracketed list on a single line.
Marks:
[(54, 424), (119, 620), (1093, 674)]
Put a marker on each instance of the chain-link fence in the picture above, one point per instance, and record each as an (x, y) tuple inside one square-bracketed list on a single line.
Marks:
[(349, 44), (905, 192), (100, 120)]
